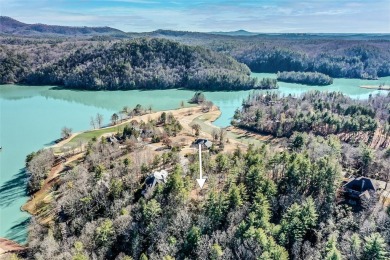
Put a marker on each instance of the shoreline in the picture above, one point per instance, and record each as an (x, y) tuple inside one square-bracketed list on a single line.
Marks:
[(385, 87), (107, 129)]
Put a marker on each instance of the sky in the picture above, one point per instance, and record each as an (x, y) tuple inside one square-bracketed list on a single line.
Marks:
[(267, 16)]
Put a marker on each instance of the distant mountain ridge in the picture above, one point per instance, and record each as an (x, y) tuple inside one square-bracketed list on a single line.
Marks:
[(9, 25), (236, 33)]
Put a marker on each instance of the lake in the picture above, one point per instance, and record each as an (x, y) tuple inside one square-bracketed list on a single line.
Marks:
[(32, 117)]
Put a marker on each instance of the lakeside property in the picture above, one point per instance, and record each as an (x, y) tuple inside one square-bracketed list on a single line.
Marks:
[(75, 150)]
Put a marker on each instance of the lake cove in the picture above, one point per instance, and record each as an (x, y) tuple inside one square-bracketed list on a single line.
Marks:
[(32, 117)]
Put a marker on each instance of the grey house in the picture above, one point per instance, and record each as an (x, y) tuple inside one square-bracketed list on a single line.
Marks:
[(152, 180)]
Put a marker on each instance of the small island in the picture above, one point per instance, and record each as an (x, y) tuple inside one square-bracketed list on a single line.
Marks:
[(306, 78)]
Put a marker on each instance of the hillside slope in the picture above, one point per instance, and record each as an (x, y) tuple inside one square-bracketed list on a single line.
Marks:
[(145, 64), (319, 113)]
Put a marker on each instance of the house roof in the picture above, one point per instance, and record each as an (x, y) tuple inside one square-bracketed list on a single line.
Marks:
[(112, 139), (205, 142), (365, 195), (152, 180), (361, 184), (161, 175)]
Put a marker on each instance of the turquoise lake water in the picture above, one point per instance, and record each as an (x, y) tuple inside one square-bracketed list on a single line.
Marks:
[(32, 117)]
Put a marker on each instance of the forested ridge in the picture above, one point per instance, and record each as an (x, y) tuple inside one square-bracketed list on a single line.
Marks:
[(339, 56), (136, 64), (263, 203), (145, 63)]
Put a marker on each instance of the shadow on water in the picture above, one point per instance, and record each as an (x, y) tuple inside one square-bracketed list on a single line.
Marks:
[(50, 143), (13, 189), (18, 232)]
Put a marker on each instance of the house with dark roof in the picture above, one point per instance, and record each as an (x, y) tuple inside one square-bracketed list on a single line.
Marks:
[(112, 139), (158, 177), (358, 189), (206, 144)]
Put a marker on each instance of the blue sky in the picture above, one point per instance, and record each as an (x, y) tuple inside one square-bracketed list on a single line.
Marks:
[(371, 16)]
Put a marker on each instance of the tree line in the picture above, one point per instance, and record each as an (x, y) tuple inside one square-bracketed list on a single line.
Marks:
[(307, 78)]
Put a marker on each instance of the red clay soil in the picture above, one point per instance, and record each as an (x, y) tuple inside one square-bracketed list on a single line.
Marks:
[(8, 246)]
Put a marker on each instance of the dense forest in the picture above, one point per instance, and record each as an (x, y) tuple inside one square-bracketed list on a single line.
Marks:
[(262, 203), (12, 65), (144, 63), (137, 64), (360, 61), (339, 56), (20, 56), (307, 78)]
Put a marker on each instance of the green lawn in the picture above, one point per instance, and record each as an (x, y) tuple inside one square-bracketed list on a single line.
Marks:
[(87, 136), (200, 120)]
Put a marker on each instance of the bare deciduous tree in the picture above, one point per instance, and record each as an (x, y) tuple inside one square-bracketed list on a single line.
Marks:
[(222, 135), (196, 128), (92, 123), (66, 132), (99, 120)]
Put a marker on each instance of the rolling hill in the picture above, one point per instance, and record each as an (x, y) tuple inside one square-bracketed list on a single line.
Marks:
[(11, 26)]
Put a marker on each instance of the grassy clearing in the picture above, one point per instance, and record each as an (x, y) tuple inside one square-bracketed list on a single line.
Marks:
[(87, 136), (242, 138), (245, 139), (204, 127)]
